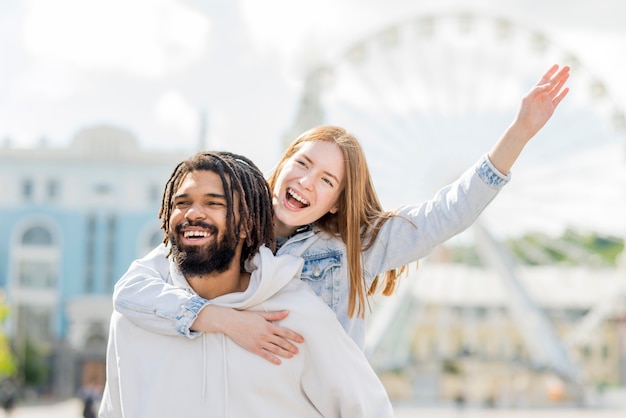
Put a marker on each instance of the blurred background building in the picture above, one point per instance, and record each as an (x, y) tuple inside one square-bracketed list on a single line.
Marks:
[(528, 334), (72, 221)]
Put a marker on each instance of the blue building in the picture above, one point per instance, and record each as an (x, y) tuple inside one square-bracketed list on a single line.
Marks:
[(72, 220)]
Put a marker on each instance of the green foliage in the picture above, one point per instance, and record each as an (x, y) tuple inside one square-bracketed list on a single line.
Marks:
[(35, 369), (465, 255), (572, 248), (606, 248), (32, 362), (451, 367), (8, 364)]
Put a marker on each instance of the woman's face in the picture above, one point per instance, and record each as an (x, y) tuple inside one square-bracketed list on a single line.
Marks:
[(308, 186)]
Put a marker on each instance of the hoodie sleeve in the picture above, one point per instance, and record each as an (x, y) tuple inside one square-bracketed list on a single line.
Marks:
[(111, 404), (335, 375), (145, 297)]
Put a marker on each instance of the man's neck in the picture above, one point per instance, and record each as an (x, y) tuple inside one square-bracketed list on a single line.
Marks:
[(210, 286)]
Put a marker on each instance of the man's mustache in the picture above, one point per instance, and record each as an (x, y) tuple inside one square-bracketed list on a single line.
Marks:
[(198, 224)]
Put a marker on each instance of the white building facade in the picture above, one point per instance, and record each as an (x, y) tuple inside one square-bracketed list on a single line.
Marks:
[(72, 222)]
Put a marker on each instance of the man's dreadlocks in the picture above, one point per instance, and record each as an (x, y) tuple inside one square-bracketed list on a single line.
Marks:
[(239, 176)]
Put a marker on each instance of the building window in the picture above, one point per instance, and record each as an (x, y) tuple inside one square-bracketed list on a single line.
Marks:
[(37, 266), (156, 239), (586, 352), (110, 251), (102, 189), (27, 189), (35, 323), (37, 235), (37, 274), (518, 352), (150, 242), (155, 194), (605, 352), (90, 253), (52, 189)]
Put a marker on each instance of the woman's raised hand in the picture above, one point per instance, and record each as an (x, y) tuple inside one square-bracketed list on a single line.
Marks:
[(536, 109), (539, 104)]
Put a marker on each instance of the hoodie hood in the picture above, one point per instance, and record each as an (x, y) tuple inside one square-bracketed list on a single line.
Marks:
[(276, 271), (269, 274)]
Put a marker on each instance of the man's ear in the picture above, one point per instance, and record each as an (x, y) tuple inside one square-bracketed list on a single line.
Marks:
[(242, 232)]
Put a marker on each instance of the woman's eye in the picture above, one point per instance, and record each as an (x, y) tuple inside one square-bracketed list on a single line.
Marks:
[(329, 182)]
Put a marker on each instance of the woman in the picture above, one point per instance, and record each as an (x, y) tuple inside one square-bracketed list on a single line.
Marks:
[(327, 212)]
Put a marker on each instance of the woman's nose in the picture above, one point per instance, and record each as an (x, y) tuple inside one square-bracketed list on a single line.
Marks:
[(306, 182)]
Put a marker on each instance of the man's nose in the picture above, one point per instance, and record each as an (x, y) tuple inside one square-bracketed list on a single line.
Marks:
[(194, 212)]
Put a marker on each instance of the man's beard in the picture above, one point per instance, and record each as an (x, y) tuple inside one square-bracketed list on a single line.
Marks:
[(194, 261)]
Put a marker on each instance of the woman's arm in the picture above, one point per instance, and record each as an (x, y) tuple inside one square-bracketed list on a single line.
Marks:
[(418, 229), (143, 295), (143, 288)]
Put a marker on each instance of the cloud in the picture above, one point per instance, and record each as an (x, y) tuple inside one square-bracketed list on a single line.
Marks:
[(304, 34), (145, 38), (174, 112)]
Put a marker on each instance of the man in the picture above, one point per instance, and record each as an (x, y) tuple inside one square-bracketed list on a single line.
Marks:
[(217, 217)]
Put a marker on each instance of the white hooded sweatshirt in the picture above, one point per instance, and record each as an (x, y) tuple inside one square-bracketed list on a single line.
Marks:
[(151, 375)]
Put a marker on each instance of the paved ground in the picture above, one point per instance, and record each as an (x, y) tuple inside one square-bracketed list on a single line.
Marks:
[(72, 409), (508, 413)]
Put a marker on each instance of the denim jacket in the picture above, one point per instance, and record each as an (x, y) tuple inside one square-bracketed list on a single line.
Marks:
[(403, 239)]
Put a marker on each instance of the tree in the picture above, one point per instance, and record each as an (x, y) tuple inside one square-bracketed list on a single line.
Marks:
[(8, 364)]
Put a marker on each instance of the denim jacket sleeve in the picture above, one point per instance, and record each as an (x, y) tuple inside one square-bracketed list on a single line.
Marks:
[(418, 229), (146, 296)]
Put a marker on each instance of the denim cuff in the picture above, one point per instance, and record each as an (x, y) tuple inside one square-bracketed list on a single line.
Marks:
[(187, 314), (490, 175)]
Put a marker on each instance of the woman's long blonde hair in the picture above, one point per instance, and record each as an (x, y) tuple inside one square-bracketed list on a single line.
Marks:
[(359, 216)]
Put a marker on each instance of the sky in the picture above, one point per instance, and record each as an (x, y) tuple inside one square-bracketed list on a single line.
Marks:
[(185, 74)]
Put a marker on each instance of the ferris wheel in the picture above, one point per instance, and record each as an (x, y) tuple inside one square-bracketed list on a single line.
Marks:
[(427, 96)]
